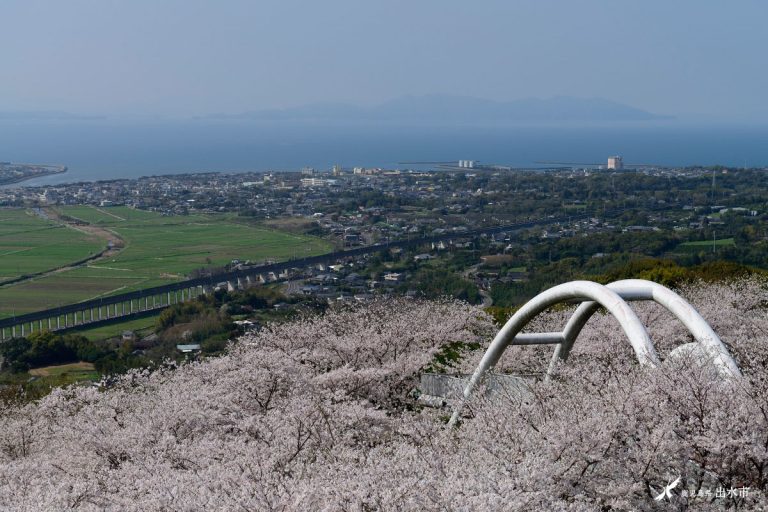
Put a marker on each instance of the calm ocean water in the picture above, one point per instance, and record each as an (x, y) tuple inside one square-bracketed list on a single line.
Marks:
[(104, 149)]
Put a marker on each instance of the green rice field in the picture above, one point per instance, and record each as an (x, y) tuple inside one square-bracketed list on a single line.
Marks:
[(158, 249), (30, 244)]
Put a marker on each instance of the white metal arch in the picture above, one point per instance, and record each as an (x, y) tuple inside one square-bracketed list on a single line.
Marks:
[(612, 298), (598, 293)]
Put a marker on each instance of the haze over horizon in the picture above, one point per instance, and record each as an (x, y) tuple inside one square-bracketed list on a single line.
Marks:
[(195, 58)]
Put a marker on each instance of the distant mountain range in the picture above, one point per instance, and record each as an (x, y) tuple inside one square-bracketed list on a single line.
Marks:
[(460, 109), (43, 115), (415, 109)]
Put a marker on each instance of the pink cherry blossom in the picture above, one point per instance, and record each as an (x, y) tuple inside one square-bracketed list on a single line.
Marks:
[(320, 414)]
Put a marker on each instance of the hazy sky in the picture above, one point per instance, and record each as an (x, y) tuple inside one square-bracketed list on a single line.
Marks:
[(188, 57)]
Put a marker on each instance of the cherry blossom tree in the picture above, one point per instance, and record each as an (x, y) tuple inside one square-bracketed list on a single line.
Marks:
[(320, 413)]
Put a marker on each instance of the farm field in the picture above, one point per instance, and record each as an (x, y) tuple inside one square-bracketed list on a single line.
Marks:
[(142, 326), (30, 244), (81, 369), (64, 375), (157, 250), (703, 245), (39, 381)]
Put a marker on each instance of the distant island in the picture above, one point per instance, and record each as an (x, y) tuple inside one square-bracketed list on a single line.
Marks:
[(14, 173), (458, 109)]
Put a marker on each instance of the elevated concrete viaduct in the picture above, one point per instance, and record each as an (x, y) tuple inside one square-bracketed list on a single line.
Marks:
[(159, 297)]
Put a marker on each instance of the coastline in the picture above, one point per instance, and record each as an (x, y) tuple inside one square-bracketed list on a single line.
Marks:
[(50, 170)]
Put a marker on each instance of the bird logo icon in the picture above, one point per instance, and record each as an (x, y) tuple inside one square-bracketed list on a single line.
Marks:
[(665, 493)]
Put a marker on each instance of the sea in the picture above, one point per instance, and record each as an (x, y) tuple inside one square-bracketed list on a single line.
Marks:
[(104, 149)]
